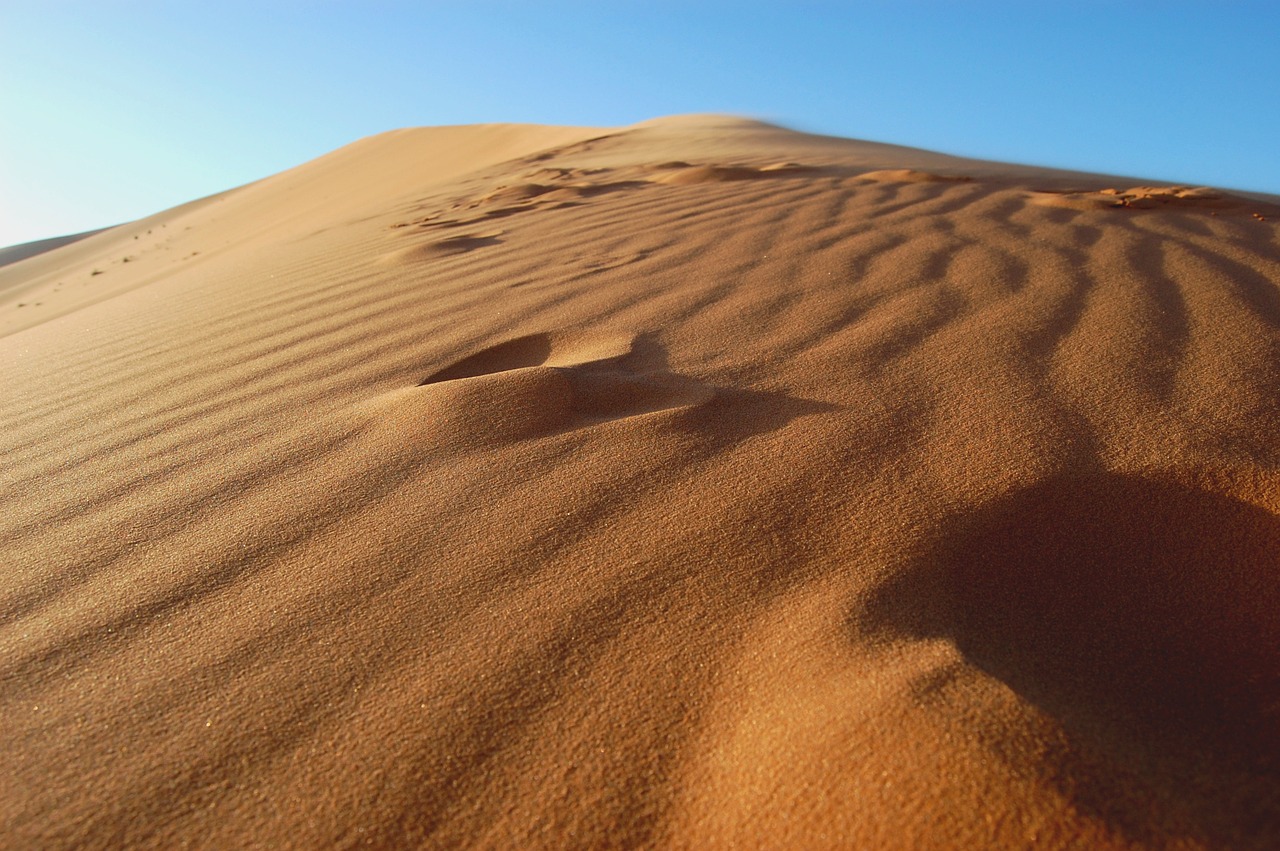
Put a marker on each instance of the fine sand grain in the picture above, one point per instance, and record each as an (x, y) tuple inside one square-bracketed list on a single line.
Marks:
[(695, 484)]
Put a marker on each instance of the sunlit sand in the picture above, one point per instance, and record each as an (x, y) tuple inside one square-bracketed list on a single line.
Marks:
[(694, 484)]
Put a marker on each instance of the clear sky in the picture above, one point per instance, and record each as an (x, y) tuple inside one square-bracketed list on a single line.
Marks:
[(110, 111)]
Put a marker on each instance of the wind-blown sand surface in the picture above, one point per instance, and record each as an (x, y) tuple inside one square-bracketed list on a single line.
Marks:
[(693, 484)]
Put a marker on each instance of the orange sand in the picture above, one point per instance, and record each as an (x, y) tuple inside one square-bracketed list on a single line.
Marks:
[(697, 484)]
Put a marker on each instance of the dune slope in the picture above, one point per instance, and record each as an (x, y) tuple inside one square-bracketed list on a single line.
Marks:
[(692, 484)]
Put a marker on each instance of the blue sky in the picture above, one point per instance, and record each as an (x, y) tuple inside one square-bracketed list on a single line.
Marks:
[(110, 111)]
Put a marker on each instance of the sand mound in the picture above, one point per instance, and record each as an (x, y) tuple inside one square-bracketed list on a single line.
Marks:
[(479, 487), (531, 386), (909, 175), (1137, 198)]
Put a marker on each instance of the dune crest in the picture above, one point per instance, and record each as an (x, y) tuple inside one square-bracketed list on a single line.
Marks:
[(692, 484)]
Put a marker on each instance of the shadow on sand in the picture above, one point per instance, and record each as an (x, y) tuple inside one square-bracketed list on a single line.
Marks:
[(1144, 617)]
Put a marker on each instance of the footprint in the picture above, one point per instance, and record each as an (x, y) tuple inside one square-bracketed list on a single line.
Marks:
[(533, 350), (538, 385)]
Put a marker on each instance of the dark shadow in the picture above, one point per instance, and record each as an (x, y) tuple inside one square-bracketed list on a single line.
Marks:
[(720, 173), (590, 190), (459, 244), (634, 382), (1144, 617), (642, 382), (731, 416), (521, 352), (500, 213)]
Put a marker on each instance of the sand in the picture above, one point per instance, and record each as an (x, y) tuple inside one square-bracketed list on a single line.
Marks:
[(694, 484), (14, 253)]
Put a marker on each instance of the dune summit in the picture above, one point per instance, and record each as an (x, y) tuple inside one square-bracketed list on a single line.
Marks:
[(693, 484)]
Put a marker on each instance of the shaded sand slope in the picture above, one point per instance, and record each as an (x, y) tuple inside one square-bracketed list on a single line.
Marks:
[(14, 253), (695, 484)]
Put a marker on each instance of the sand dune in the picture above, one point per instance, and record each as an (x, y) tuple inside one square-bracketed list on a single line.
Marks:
[(693, 484), (14, 253)]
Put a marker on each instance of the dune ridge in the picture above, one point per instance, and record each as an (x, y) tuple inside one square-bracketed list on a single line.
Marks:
[(693, 484)]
